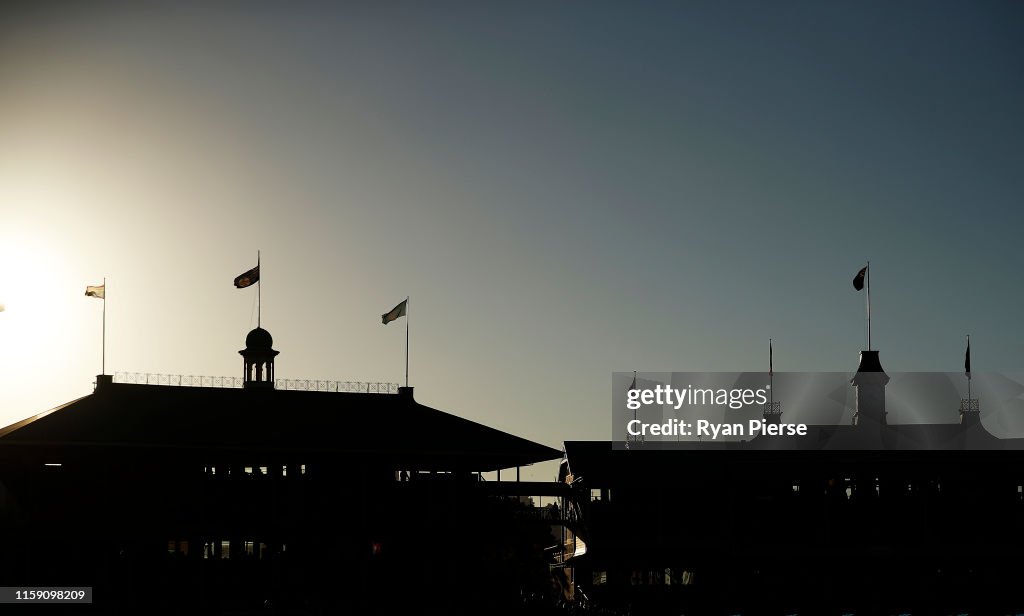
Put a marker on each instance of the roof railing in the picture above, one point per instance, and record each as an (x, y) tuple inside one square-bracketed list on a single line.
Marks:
[(360, 387), (969, 405), (189, 380)]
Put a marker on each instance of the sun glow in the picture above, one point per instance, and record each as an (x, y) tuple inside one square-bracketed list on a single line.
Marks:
[(42, 328)]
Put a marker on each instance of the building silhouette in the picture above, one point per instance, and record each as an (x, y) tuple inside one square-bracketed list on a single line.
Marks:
[(198, 499), (258, 499), (865, 518)]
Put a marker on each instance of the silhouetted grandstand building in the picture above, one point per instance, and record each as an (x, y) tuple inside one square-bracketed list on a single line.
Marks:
[(869, 518), (243, 499)]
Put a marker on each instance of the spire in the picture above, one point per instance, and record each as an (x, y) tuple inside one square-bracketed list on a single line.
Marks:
[(970, 410), (772, 409), (870, 382), (258, 358)]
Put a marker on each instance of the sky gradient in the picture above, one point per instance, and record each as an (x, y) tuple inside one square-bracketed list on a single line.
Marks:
[(564, 190)]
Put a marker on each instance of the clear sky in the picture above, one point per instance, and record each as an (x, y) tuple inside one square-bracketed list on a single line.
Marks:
[(564, 189)]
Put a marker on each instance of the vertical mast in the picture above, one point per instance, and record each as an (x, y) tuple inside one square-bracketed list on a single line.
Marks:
[(406, 340), (103, 368), (868, 284), (259, 290), (968, 364)]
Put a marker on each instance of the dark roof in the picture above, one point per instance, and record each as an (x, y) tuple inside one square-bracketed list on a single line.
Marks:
[(225, 419), (869, 362), (598, 462)]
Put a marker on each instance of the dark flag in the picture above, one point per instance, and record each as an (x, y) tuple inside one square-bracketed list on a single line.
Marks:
[(967, 359), (858, 280), (249, 278), (632, 385), (394, 313), (771, 371)]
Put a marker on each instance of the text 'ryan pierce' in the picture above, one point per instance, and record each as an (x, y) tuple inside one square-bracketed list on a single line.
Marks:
[(703, 427)]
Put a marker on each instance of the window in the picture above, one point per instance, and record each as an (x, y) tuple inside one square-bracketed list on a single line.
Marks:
[(600, 578), (225, 549), (250, 548), (595, 494)]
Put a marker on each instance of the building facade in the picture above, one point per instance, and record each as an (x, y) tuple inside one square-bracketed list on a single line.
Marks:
[(177, 499), (868, 518)]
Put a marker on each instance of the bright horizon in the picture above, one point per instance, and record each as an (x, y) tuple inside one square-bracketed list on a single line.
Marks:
[(563, 192)]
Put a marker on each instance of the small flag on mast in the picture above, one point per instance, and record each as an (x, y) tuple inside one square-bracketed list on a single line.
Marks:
[(397, 311), (632, 385), (248, 279), (771, 370), (967, 359), (858, 280), (96, 291)]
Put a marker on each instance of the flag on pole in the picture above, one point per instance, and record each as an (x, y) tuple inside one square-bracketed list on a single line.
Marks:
[(771, 371), (97, 291), (248, 279), (858, 280), (967, 359), (632, 385), (397, 311)]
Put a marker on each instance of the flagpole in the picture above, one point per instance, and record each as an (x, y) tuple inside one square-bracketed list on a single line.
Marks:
[(407, 341), (968, 373), (259, 290), (103, 365), (771, 374), (631, 388), (868, 284)]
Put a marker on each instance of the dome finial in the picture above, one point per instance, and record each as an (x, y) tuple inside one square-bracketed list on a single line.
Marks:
[(258, 358)]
